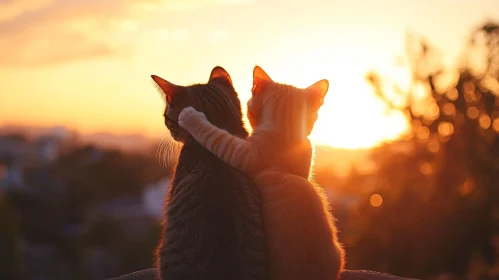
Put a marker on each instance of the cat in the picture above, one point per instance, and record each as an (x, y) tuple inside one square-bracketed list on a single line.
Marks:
[(300, 230), (213, 226)]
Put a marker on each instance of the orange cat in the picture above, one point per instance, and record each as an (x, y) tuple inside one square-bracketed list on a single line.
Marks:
[(300, 231)]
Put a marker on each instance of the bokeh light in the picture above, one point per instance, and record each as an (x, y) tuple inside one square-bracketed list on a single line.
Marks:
[(472, 112), (376, 200), (449, 109), (484, 121), (495, 124), (452, 94), (426, 168), (445, 129), (423, 133)]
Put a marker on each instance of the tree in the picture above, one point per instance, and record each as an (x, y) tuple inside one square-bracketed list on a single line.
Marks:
[(442, 203)]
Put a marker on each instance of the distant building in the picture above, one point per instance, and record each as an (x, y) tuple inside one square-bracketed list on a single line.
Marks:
[(14, 151), (48, 148), (17, 152), (13, 176)]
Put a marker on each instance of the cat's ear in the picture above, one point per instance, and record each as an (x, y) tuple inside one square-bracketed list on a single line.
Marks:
[(260, 79), (317, 92), (169, 89), (219, 72)]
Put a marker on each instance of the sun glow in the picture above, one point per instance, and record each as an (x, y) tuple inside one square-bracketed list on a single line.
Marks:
[(112, 66), (352, 116), (346, 122)]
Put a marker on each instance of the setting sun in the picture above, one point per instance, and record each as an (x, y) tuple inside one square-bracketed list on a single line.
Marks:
[(352, 116)]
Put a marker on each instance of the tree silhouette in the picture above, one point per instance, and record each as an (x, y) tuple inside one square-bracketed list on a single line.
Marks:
[(440, 185)]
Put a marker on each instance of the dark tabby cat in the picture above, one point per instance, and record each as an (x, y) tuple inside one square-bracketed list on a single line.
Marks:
[(213, 226)]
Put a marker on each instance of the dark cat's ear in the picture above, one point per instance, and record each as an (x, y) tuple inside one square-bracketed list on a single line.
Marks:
[(317, 92), (169, 89), (219, 72), (260, 79)]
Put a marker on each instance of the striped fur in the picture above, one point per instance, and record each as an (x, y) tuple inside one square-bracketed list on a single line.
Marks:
[(300, 232), (213, 227)]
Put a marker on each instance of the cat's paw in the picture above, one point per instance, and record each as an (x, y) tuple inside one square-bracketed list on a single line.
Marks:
[(190, 116)]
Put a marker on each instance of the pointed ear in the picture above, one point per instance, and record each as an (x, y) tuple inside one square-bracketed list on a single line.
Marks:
[(219, 72), (166, 87), (317, 92), (260, 78)]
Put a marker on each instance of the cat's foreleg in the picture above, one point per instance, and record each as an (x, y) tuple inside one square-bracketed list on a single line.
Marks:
[(233, 150)]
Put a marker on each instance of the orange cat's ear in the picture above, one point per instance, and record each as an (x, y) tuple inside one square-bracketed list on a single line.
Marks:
[(169, 89), (317, 92), (260, 79), (219, 72)]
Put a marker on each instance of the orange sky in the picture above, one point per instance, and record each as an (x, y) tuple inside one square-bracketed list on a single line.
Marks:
[(87, 64)]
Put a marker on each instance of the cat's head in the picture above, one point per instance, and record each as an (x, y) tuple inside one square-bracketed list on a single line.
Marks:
[(217, 99), (290, 110)]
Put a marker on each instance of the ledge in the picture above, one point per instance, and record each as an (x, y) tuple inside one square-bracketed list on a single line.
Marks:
[(150, 274)]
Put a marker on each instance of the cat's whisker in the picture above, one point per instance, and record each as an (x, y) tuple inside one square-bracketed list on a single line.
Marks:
[(166, 153), (161, 153), (166, 150), (158, 148), (158, 152), (172, 149), (160, 145), (161, 148)]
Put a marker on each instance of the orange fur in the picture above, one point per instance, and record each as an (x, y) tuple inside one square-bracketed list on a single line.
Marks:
[(301, 235), (300, 230)]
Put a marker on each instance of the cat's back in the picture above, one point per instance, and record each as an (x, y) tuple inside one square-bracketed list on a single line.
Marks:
[(301, 234), (213, 224)]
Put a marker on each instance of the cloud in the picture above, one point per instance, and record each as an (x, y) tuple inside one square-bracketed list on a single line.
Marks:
[(9, 9), (56, 49), (41, 32), (62, 30)]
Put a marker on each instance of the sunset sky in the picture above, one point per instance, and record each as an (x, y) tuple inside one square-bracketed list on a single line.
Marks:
[(87, 64)]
